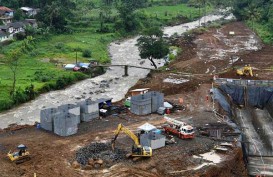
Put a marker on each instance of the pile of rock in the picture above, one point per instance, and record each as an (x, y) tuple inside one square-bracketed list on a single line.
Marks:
[(96, 155)]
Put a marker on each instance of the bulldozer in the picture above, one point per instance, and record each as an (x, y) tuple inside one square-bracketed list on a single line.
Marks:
[(245, 71), (137, 149), (20, 156)]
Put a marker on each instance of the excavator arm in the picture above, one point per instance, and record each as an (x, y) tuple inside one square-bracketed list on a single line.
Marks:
[(137, 151), (126, 131)]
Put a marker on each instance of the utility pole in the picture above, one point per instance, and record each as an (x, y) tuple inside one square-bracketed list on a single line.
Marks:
[(76, 49)]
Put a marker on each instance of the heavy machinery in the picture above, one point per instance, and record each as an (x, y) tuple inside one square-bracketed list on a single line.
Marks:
[(21, 156), (178, 128), (137, 149), (245, 71)]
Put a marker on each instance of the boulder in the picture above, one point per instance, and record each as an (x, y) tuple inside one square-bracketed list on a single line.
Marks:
[(76, 165)]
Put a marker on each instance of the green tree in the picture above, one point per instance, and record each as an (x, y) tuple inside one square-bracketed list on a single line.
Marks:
[(126, 9), (152, 46), (55, 14), (19, 15), (13, 59), (13, 63)]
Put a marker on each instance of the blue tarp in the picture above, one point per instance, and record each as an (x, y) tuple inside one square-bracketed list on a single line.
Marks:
[(221, 99), (259, 96), (235, 92), (256, 96)]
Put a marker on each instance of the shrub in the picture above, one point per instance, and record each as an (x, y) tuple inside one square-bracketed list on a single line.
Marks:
[(86, 53), (5, 104), (30, 92), (171, 56), (60, 83), (20, 97), (80, 76), (59, 45)]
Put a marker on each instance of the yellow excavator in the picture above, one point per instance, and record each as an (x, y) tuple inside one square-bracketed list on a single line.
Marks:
[(245, 71), (21, 156), (137, 149)]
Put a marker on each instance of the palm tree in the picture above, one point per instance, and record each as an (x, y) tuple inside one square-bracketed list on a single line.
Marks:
[(253, 13)]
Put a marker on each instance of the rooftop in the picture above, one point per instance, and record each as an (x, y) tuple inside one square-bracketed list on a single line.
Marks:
[(26, 8), (6, 9)]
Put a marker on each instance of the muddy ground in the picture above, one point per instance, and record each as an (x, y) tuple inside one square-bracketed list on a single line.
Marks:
[(52, 155)]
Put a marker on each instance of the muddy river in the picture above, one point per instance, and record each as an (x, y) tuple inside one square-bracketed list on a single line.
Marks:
[(111, 84)]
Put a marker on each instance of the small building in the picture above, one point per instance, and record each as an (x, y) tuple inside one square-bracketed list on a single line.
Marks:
[(29, 11), (4, 36), (7, 28), (17, 27), (31, 22), (6, 12)]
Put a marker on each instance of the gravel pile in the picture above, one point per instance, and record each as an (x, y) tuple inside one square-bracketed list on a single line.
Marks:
[(99, 151)]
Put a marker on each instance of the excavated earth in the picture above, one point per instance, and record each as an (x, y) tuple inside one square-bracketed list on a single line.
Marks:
[(203, 57)]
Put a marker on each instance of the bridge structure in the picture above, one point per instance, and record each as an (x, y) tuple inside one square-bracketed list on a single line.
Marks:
[(125, 67)]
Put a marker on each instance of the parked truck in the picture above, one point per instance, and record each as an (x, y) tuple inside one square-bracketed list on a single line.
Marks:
[(178, 128)]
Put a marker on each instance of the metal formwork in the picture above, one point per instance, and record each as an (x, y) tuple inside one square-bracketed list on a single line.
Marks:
[(47, 116), (86, 117), (141, 104), (152, 140), (65, 125), (89, 110), (72, 109), (147, 103), (157, 100)]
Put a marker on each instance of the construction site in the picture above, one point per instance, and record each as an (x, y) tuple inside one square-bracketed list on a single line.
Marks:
[(208, 113)]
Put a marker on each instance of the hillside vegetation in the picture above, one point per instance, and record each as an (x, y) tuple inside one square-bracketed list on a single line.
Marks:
[(259, 16)]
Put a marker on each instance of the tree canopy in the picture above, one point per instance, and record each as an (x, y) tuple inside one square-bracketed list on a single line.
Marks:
[(152, 46)]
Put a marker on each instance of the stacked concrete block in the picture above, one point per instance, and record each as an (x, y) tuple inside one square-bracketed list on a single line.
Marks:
[(47, 116), (65, 124), (146, 103), (72, 109), (89, 110)]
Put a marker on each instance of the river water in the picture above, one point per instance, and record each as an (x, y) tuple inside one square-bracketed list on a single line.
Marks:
[(112, 84)]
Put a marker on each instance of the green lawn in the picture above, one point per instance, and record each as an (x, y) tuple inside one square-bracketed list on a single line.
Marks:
[(171, 12)]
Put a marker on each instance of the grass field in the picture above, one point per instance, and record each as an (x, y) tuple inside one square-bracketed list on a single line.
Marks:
[(171, 12), (38, 67)]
